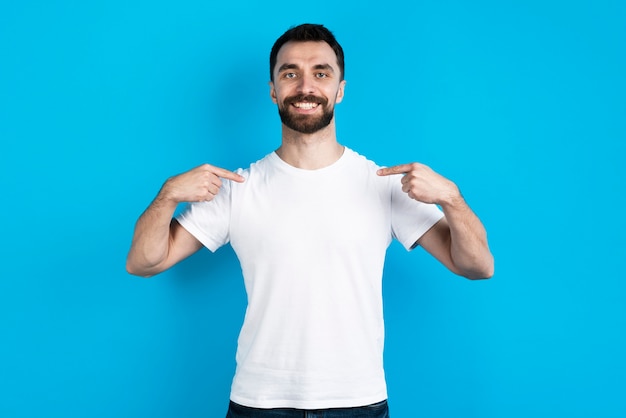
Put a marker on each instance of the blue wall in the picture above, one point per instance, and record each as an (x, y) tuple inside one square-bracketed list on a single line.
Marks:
[(521, 103)]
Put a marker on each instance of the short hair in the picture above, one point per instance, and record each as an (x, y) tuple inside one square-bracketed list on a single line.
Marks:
[(307, 32)]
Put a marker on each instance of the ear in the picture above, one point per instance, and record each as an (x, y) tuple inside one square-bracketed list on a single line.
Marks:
[(340, 91), (273, 92)]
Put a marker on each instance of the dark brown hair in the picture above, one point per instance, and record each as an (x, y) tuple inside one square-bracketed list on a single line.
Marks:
[(305, 33)]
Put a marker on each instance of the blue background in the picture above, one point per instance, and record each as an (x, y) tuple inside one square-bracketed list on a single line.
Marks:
[(521, 103)]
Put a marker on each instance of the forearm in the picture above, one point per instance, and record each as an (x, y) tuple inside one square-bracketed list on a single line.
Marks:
[(150, 245), (469, 249), (459, 241)]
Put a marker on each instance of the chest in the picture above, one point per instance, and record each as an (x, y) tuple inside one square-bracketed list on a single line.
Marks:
[(278, 212)]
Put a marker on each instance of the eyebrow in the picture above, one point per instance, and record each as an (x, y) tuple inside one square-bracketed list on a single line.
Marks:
[(288, 66)]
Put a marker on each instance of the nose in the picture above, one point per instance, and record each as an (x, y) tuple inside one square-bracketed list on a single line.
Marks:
[(306, 84)]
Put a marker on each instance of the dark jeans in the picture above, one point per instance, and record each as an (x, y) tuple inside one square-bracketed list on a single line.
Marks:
[(377, 410)]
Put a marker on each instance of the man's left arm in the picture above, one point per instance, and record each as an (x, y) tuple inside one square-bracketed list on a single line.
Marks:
[(459, 240)]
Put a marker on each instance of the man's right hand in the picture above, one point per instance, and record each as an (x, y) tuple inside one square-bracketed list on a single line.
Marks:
[(160, 242), (200, 184)]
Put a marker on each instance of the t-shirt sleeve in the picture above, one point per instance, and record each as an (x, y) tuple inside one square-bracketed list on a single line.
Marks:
[(410, 219), (209, 222)]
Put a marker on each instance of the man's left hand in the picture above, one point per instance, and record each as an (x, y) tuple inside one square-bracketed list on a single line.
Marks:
[(421, 183)]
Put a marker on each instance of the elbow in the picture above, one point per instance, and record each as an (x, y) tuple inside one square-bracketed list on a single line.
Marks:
[(487, 274), (477, 269), (134, 270), (139, 274), (484, 272)]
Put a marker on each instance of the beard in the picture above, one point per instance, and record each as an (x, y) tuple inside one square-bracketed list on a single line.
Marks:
[(306, 124)]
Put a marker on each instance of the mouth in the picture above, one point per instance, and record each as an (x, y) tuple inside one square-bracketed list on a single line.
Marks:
[(305, 105)]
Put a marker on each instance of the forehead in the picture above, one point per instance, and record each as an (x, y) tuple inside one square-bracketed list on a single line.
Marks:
[(306, 54)]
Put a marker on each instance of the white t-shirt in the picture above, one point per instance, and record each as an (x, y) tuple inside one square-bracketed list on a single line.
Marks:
[(311, 244)]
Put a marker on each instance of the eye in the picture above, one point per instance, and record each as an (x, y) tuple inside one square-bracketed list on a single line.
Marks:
[(321, 75), (289, 75)]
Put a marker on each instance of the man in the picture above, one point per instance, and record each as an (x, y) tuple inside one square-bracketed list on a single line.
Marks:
[(310, 224)]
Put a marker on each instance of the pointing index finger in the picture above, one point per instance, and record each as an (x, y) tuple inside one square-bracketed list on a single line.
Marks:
[(396, 169), (226, 174)]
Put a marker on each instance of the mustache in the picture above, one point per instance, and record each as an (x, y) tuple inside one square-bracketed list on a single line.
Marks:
[(309, 98)]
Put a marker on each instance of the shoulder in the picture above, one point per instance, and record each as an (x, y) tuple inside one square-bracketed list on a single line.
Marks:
[(359, 160), (258, 167), (255, 175), (363, 170)]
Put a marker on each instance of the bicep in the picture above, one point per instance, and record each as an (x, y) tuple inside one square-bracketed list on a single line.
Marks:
[(437, 241), (182, 244)]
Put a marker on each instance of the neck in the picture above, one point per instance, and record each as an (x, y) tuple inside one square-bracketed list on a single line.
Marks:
[(310, 151)]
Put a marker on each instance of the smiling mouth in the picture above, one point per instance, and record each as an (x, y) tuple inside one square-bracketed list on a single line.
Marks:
[(305, 105), (306, 102)]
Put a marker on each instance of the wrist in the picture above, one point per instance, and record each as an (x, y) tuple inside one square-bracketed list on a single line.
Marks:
[(453, 198), (166, 197)]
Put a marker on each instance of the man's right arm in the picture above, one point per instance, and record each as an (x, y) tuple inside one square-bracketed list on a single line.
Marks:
[(159, 241)]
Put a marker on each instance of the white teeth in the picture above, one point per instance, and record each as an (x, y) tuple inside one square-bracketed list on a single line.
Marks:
[(305, 105)]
